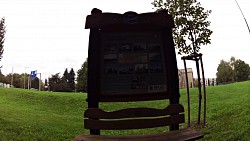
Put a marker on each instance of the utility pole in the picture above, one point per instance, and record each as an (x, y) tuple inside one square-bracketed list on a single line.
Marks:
[(24, 78), (11, 85), (29, 82), (39, 82)]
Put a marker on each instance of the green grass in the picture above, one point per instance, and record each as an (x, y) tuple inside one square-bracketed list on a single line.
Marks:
[(32, 115)]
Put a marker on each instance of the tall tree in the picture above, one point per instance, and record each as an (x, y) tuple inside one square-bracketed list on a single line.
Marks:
[(233, 64), (58, 84), (82, 77), (2, 35), (35, 83), (53, 81), (241, 70), (224, 72), (17, 80), (66, 76), (8, 78), (3, 79), (46, 82), (191, 30), (71, 81)]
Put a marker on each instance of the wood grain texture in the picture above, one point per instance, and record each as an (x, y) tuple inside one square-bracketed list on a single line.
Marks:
[(133, 123), (177, 135), (96, 113)]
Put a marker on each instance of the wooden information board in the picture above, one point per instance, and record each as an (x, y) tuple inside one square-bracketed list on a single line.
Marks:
[(132, 63), (131, 57)]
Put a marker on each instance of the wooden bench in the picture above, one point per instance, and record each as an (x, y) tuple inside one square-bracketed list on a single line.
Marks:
[(137, 118)]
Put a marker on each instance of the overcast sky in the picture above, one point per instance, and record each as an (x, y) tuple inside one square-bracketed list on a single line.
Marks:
[(49, 35)]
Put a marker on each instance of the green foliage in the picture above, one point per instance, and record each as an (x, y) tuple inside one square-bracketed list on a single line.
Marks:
[(191, 30), (66, 83), (2, 35), (233, 70), (38, 115), (18, 80), (224, 72), (34, 83), (53, 81), (82, 77), (242, 70), (3, 79), (71, 80), (63, 85), (66, 75)]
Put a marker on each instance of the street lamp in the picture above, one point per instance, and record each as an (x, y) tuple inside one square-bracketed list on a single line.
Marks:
[(11, 83), (24, 78)]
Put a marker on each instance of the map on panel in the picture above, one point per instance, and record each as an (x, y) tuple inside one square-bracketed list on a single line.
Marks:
[(132, 63)]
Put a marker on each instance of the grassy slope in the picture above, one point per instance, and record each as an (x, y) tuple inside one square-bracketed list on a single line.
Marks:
[(228, 112), (32, 115)]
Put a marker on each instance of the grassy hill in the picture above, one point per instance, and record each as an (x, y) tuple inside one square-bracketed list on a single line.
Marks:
[(33, 115)]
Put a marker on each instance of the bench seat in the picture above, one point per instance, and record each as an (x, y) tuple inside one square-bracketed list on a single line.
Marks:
[(177, 135), (137, 118)]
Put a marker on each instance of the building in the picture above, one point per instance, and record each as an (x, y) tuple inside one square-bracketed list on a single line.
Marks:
[(182, 78), (193, 82)]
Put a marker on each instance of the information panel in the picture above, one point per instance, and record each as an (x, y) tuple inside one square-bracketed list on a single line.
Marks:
[(132, 63)]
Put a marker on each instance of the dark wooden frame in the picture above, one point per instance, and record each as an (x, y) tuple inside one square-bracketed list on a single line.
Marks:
[(147, 22), (99, 22), (137, 118), (96, 119)]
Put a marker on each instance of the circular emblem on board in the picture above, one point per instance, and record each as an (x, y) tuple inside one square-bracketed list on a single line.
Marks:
[(130, 17)]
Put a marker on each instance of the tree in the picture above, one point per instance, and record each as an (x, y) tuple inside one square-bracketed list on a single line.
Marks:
[(191, 30), (46, 82), (3, 79), (233, 64), (53, 81), (62, 87), (71, 80), (233, 70), (58, 84), (82, 77), (35, 83), (224, 72), (2, 35), (66, 75), (8, 78), (17, 80), (46, 85), (241, 70)]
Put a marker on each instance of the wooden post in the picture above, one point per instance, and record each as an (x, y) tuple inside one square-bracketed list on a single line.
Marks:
[(199, 89), (204, 92), (188, 95), (93, 77), (198, 59)]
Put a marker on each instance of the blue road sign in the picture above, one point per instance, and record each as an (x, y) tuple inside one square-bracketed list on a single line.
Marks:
[(33, 74)]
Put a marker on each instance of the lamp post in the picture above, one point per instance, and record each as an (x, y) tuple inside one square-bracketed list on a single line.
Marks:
[(39, 82), (11, 83), (29, 82), (24, 78)]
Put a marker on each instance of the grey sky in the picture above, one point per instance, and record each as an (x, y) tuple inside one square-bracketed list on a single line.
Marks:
[(49, 35)]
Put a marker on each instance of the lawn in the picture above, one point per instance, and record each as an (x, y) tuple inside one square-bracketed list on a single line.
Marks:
[(33, 115)]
